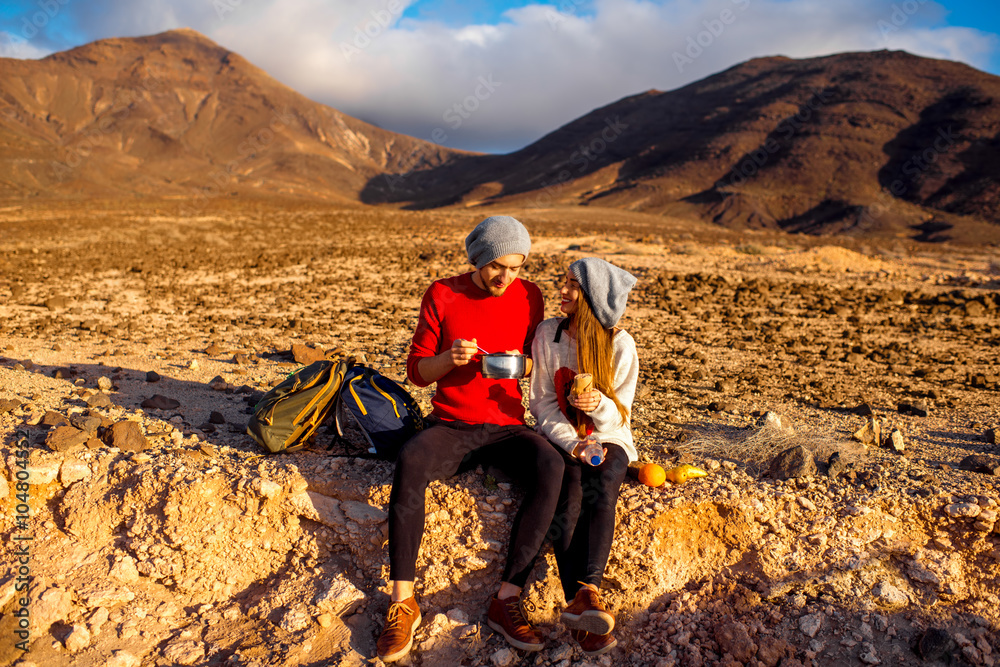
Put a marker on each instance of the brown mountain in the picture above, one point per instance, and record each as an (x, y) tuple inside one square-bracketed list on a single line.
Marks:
[(882, 142), (885, 142), (175, 114)]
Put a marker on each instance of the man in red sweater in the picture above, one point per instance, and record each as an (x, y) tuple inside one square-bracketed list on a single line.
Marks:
[(494, 309)]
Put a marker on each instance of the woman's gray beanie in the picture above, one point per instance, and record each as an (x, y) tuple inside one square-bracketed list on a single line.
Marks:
[(496, 236), (605, 286)]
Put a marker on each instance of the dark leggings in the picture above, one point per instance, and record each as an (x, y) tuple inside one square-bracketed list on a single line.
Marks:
[(584, 524), (440, 451)]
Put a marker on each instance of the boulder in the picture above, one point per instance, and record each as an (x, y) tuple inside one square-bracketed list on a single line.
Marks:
[(792, 463)]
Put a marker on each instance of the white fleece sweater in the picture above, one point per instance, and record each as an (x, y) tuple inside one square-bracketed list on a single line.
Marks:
[(554, 369)]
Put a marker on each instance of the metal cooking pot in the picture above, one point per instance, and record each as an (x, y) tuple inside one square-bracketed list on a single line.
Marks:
[(503, 366)]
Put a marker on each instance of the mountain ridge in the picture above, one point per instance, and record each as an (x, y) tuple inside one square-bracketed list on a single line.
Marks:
[(878, 142)]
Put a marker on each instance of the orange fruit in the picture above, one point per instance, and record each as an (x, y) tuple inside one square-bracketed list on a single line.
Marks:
[(652, 475)]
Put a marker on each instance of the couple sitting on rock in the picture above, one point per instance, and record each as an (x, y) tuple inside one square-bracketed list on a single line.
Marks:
[(566, 496)]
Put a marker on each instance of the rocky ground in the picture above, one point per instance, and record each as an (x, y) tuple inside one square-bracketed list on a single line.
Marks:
[(134, 337)]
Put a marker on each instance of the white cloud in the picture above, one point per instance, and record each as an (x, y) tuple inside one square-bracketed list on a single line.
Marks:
[(542, 67), (13, 45)]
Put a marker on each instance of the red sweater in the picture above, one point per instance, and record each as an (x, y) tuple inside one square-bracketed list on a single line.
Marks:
[(455, 308)]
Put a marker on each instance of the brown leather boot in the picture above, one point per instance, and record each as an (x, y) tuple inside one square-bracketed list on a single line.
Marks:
[(586, 612), (594, 644), (505, 616), (396, 639)]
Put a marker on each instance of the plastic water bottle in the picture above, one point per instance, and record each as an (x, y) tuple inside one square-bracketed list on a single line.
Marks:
[(593, 452)]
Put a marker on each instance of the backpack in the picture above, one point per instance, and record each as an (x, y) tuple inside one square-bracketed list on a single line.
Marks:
[(290, 412), (385, 413)]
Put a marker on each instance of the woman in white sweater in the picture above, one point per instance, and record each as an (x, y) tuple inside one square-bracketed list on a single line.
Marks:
[(587, 341)]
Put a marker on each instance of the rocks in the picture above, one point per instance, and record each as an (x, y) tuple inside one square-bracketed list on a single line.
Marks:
[(304, 354), (122, 659), (216, 418), (363, 513), (218, 383), (214, 350), (53, 418), (8, 405), (962, 510), (503, 658), (986, 465), (104, 384), (887, 594), (73, 470), (722, 406), (127, 436), (870, 433), (43, 472), (86, 422), (160, 402), (810, 624), (152, 376), (340, 596), (77, 639), (57, 302), (65, 438), (835, 466), (734, 639), (990, 437), (895, 441), (792, 463), (725, 386), (184, 652), (915, 408), (99, 400)]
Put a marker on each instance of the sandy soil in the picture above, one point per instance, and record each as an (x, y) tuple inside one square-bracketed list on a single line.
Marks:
[(162, 536)]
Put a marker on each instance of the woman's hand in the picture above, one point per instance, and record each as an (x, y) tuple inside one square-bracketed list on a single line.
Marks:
[(587, 401)]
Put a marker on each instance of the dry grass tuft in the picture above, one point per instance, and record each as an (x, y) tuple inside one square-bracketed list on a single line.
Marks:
[(756, 446)]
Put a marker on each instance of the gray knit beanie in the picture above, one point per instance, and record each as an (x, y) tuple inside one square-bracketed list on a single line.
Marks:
[(496, 236), (605, 286)]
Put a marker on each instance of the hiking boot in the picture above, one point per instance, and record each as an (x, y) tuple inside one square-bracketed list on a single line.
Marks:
[(587, 613), (396, 639), (592, 644), (505, 616)]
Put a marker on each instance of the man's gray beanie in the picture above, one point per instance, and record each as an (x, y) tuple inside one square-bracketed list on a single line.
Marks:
[(496, 236), (605, 286)]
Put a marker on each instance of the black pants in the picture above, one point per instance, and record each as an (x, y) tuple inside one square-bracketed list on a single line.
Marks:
[(439, 452), (583, 527)]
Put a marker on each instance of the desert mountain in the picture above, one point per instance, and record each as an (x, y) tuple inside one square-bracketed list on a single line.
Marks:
[(175, 114), (884, 141)]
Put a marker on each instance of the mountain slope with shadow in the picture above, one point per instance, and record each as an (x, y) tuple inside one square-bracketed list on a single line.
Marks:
[(883, 142)]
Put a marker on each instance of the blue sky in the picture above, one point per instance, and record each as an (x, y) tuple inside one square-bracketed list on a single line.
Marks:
[(494, 76)]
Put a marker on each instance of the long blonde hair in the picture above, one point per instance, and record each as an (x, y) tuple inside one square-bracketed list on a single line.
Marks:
[(595, 353)]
